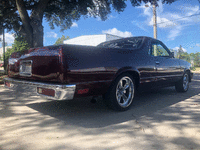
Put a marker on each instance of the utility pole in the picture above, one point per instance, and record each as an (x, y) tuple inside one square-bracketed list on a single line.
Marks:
[(154, 20), (4, 64)]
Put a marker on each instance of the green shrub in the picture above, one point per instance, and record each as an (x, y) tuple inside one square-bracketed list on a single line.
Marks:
[(19, 45)]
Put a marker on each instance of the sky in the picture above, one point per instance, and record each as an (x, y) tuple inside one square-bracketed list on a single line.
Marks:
[(177, 24)]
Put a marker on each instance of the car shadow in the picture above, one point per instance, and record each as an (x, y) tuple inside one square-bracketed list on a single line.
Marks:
[(81, 112)]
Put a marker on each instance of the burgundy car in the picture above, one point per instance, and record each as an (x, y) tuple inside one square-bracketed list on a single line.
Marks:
[(114, 69), (1, 64)]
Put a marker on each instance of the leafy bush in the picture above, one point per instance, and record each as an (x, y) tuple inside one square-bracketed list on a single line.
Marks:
[(193, 68), (19, 45)]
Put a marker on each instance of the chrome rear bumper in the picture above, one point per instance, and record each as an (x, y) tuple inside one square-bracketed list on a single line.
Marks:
[(62, 92)]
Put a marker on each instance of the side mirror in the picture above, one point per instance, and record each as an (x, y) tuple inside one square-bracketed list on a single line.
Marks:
[(172, 54)]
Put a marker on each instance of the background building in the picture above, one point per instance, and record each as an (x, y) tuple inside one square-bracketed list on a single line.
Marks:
[(91, 40)]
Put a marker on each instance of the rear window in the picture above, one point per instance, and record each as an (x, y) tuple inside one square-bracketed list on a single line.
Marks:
[(128, 43)]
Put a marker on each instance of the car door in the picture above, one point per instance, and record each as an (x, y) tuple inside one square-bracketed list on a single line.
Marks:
[(146, 66), (167, 67)]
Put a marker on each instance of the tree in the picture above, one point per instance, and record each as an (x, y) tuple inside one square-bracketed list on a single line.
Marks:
[(60, 40), (25, 16), (19, 45), (196, 58), (180, 51), (185, 56)]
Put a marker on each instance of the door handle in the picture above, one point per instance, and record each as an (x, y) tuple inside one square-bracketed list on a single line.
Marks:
[(157, 62)]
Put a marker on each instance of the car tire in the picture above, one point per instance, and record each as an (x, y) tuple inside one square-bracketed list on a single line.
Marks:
[(120, 95), (183, 84)]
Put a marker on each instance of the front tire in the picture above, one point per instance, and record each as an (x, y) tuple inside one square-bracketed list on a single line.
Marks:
[(121, 93), (183, 84)]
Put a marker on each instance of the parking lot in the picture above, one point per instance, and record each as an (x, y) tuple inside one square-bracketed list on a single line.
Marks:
[(162, 119)]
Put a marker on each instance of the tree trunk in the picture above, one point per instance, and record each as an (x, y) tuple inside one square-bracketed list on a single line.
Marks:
[(26, 29), (32, 28), (36, 23), (34, 37), (38, 33), (38, 37)]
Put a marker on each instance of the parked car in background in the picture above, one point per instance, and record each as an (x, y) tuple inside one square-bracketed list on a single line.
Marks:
[(114, 69), (1, 64)]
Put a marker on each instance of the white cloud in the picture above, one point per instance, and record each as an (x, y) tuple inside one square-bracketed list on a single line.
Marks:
[(174, 21), (190, 10), (74, 24), (111, 17), (176, 48), (163, 23), (114, 31), (175, 32), (52, 34), (9, 38), (198, 45), (108, 18), (139, 25)]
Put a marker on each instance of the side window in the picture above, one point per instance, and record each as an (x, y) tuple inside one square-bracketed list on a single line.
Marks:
[(158, 50)]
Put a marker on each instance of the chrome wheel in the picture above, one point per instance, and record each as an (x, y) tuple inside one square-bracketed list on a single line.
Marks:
[(121, 93), (125, 91), (185, 82)]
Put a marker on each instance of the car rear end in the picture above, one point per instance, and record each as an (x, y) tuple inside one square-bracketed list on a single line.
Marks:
[(43, 70)]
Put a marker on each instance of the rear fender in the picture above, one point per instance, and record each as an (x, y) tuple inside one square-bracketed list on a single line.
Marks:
[(132, 71)]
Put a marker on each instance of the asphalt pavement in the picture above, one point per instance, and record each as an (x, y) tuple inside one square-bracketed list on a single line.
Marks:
[(162, 119)]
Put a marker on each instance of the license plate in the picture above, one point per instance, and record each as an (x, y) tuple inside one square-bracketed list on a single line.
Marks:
[(25, 68), (46, 92)]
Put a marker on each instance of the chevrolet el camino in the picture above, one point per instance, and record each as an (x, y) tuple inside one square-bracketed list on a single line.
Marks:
[(114, 69)]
